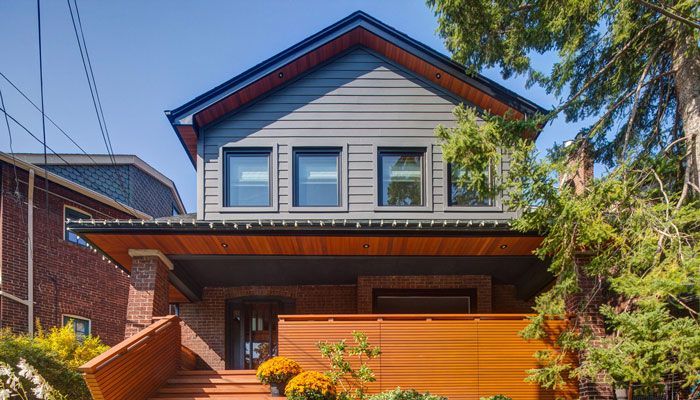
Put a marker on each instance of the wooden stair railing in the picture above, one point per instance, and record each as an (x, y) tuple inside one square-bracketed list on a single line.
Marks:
[(135, 368)]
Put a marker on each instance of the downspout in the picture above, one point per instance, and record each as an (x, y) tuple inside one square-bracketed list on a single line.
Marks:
[(30, 254)]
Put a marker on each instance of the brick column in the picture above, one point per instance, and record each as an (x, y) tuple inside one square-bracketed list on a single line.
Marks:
[(148, 290), (585, 306)]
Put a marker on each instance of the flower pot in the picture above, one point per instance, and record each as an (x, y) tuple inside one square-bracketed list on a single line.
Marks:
[(277, 389), (621, 393)]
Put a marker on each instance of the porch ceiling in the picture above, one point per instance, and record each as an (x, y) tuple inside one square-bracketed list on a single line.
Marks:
[(450, 247), (527, 273)]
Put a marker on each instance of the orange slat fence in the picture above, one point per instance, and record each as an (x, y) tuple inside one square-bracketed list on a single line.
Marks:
[(458, 356), (135, 368)]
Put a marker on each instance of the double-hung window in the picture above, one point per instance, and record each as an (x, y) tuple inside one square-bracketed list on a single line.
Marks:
[(401, 178), (81, 326), (461, 196), (74, 215), (317, 178), (247, 178)]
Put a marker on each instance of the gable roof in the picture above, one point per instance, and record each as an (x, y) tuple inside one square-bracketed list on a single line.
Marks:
[(358, 29)]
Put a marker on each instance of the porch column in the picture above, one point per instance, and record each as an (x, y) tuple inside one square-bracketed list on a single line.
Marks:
[(148, 291), (585, 306)]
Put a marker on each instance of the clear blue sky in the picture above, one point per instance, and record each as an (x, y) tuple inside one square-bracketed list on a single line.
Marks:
[(149, 56)]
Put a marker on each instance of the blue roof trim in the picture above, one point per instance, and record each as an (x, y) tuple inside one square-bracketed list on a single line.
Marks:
[(503, 94)]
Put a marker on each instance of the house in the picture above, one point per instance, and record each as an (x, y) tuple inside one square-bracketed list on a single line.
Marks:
[(48, 273), (324, 206)]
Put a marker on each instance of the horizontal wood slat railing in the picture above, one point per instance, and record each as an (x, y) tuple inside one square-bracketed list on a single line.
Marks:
[(461, 356), (135, 368)]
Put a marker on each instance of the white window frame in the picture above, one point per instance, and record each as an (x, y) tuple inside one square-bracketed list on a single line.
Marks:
[(74, 317), (65, 239)]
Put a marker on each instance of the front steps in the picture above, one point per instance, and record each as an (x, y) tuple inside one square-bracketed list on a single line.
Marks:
[(224, 384)]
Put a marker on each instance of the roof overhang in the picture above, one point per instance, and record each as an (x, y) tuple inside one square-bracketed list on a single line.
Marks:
[(319, 238), (358, 29)]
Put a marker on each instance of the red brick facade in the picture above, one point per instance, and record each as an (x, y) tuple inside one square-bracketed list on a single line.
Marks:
[(148, 293), (68, 278), (204, 321)]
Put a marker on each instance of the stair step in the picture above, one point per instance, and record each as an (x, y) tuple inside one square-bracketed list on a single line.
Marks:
[(218, 372), (228, 389), (213, 379), (214, 396)]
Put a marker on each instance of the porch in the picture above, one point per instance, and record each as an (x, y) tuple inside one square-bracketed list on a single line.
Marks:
[(444, 301), (463, 356)]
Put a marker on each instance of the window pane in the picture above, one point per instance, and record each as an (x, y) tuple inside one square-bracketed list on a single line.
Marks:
[(81, 327), (316, 179), (401, 179), (248, 179), (462, 196), (74, 215)]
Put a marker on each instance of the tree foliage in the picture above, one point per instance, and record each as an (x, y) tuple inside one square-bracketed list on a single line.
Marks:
[(635, 73)]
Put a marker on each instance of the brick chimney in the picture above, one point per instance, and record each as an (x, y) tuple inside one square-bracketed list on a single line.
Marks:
[(580, 163)]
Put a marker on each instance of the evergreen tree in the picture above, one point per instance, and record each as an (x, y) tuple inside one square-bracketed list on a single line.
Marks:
[(633, 68)]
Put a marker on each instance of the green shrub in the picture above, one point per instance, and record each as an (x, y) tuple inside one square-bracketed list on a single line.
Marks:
[(496, 397), (400, 394), (56, 357)]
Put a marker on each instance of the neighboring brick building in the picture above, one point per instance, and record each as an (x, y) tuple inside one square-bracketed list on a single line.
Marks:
[(70, 279)]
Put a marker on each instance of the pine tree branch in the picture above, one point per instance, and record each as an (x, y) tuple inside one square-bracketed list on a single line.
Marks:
[(691, 23)]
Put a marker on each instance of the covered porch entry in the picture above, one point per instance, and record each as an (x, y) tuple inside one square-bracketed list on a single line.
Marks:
[(240, 291)]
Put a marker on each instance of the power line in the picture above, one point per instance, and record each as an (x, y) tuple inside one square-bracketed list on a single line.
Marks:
[(9, 134), (92, 74), (47, 117), (90, 83), (24, 128)]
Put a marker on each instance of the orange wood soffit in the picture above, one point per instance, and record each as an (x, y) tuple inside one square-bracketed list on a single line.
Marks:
[(117, 246), (325, 52)]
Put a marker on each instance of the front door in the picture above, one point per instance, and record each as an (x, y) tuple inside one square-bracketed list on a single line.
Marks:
[(252, 330)]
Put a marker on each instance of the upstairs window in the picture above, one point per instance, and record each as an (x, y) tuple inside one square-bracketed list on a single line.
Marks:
[(316, 178), (81, 326), (401, 178), (247, 178), (460, 196), (73, 214)]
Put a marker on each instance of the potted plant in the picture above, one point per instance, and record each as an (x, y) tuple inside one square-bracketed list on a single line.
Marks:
[(310, 385), (276, 372)]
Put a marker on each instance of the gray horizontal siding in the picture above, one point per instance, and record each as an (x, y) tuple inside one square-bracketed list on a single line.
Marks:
[(360, 101)]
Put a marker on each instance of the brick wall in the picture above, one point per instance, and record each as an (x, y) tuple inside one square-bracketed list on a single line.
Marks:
[(482, 284), (68, 278), (505, 300), (205, 320)]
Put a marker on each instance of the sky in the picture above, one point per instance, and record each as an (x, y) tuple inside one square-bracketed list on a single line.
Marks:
[(155, 55)]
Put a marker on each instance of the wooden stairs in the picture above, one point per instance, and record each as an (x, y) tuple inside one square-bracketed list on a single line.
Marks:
[(224, 384)]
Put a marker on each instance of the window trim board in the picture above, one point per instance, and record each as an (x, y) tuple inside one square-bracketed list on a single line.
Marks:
[(418, 146), (274, 179), (497, 201), (343, 188)]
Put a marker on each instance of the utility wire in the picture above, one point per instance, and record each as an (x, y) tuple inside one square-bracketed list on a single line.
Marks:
[(92, 74), (12, 151), (87, 75), (47, 117), (43, 119), (38, 139)]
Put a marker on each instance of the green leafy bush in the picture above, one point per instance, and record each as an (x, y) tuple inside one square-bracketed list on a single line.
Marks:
[(400, 394), (351, 382), (496, 397), (55, 355)]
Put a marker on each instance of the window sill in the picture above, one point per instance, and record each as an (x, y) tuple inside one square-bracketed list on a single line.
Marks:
[(316, 209), (403, 209), (463, 209), (222, 209)]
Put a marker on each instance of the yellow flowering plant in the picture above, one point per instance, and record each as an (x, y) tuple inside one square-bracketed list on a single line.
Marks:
[(278, 370), (310, 385)]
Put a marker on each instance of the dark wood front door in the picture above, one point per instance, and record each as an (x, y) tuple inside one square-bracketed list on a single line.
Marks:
[(251, 334)]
